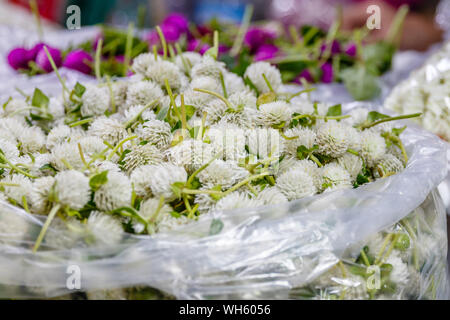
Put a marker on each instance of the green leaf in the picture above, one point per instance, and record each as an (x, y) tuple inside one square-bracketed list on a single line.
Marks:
[(334, 111), (96, 181), (177, 188), (267, 97), (216, 196), (361, 179), (190, 110), (378, 57), (360, 83), (403, 242), (303, 152), (175, 214), (79, 90), (398, 131), (216, 227), (252, 86), (162, 114), (39, 100), (46, 167), (373, 116)]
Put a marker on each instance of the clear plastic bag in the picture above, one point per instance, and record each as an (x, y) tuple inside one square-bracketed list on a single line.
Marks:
[(296, 250)]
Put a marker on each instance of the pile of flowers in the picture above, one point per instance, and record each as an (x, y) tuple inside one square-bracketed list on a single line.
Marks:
[(427, 90), (302, 55), (181, 138)]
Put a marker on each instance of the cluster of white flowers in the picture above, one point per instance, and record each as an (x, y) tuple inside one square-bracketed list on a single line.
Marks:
[(427, 90), (181, 138)]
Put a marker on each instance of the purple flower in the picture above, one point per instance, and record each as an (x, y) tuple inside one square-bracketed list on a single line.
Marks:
[(266, 52), (223, 48), (351, 49), (327, 73), (305, 74), (256, 37), (79, 60), (42, 59), (335, 48), (18, 58), (192, 45), (205, 47), (34, 51), (179, 21)]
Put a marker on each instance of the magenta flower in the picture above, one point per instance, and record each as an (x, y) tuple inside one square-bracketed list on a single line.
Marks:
[(179, 21), (42, 59), (79, 60), (256, 37), (34, 51), (305, 74), (223, 48), (18, 58), (266, 52), (327, 73), (204, 47), (351, 49), (199, 46), (335, 48)]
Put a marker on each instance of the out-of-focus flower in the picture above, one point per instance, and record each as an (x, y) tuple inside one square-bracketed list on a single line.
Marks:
[(266, 52), (334, 47), (178, 20), (79, 60), (350, 50), (327, 73), (305, 74), (35, 50), (256, 37), (18, 58), (43, 61)]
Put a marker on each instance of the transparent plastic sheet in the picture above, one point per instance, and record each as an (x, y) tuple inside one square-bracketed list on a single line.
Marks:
[(286, 251)]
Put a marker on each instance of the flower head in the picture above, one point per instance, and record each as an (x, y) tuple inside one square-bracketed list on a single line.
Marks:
[(20, 187), (373, 146), (95, 101), (19, 58), (223, 173), (40, 194), (115, 193), (190, 154), (275, 113), (72, 189), (388, 163), (108, 129), (271, 196), (352, 163), (266, 52), (265, 143), (79, 60), (257, 37), (335, 177), (151, 212), (332, 139), (236, 200), (189, 58), (296, 184), (208, 67), (43, 61), (255, 73), (142, 155), (161, 71), (143, 92), (155, 132), (104, 229), (299, 136)]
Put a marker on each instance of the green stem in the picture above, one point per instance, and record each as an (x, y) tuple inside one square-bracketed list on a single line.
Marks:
[(97, 60), (244, 182), (406, 116), (55, 69), (192, 191), (172, 99), (111, 94), (163, 40), (326, 118), (130, 122), (80, 122), (300, 93), (397, 24), (128, 47), (224, 88), (121, 143), (227, 103), (47, 223), (236, 49), (37, 17), (364, 257), (268, 83), (196, 172), (313, 158), (14, 167)]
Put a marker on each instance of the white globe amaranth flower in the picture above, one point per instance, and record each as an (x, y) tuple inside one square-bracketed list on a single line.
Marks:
[(140, 155), (12, 127), (352, 163), (243, 99), (311, 168), (255, 73), (299, 136), (120, 89), (387, 164), (104, 229), (56, 108), (151, 212), (58, 135), (234, 83), (163, 70), (115, 193), (13, 227), (223, 173), (204, 201), (157, 180), (36, 167), (332, 139), (143, 93), (246, 118), (9, 150), (228, 141), (354, 139), (358, 117), (136, 110), (72, 189), (169, 223), (7, 136), (143, 61), (400, 273), (198, 100), (265, 143), (206, 83), (105, 165), (17, 107), (335, 177), (108, 129), (276, 113), (66, 153), (236, 200), (91, 145), (32, 139), (21, 186), (155, 132), (271, 196), (296, 184), (373, 146), (208, 67), (190, 154), (95, 101), (40, 193), (187, 60), (215, 110)]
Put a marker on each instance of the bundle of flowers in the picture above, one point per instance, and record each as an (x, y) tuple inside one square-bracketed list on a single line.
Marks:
[(307, 54), (427, 90), (184, 138)]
